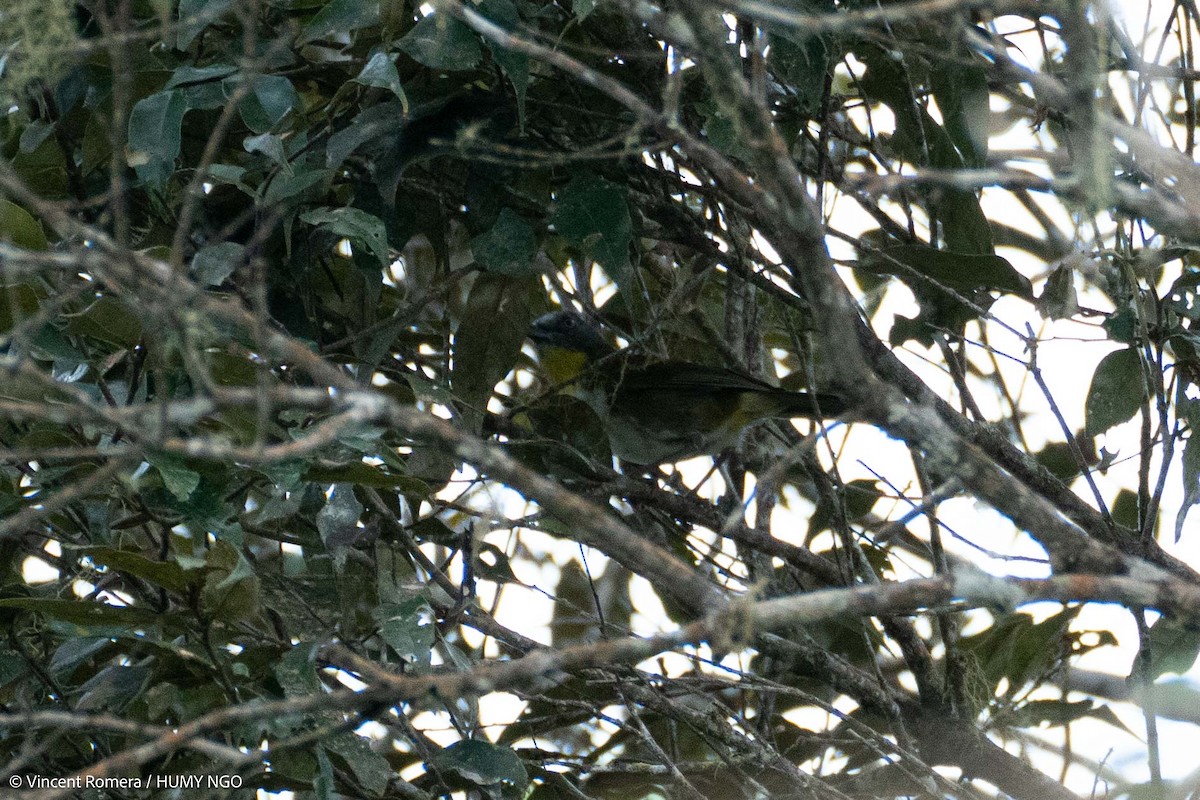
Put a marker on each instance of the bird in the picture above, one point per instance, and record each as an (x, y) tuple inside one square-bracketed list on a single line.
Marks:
[(658, 412)]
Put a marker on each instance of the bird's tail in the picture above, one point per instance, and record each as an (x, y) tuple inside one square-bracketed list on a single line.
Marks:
[(813, 405)]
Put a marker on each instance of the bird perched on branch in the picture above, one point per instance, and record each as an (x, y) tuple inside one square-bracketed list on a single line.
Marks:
[(659, 412)]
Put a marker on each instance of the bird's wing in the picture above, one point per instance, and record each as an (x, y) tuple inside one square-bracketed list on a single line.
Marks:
[(671, 383), (679, 375)]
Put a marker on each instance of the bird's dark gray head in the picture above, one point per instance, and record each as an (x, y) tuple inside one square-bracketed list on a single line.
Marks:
[(570, 331)]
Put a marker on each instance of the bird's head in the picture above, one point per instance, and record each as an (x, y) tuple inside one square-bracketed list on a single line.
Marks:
[(566, 343)]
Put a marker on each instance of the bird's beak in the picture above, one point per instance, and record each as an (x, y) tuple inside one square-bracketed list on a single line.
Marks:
[(539, 330)]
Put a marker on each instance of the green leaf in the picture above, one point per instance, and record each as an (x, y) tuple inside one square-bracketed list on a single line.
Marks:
[(582, 8), (432, 529), (1182, 297), (337, 521), (963, 97), (408, 629), (109, 320), (920, 140), (441, 42), (719, 128), (155, 125), (1106, 714), (803, 61), (1124, 509), (1174, 646), (12, 667), (489, 339), (1054, 713), (516, 65), (114, 687), (76, 651), (592, 214), (553, 709), (362, 474), (271, 146), (323, 783), (372, 123), (296, 764), (297, 672), (1117, 392), (178, 478), (861, 496), (43, 168), (1122, 324), (483, 764), (36, 133), (18, 227), (166, 574), (213, 264), (1058, 299), (84, 613), (381, 72), (370, 768), (187, 75), (1019, 650), (493, 564), (965, 228), (1191, 481), (508, 247), (959, 271), (17, 302), (285, 186), (204, 87), (361, 228), (195, 16), (340, 16), (575, 616), (270, 99), (229, 174), (231, 589)]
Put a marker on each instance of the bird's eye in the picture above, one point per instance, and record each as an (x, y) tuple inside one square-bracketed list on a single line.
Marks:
[(568, 322)]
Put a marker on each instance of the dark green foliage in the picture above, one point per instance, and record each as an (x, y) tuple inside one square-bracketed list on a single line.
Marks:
[(300, 189)]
